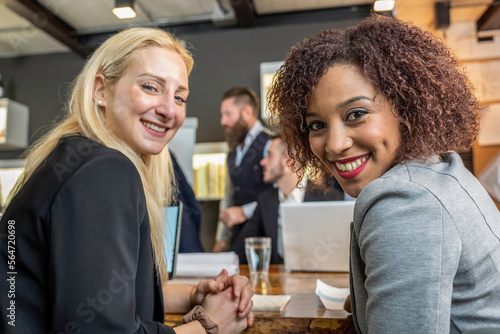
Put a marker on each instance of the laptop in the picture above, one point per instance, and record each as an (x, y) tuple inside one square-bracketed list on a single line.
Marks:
[(316, 235), (172, 216)]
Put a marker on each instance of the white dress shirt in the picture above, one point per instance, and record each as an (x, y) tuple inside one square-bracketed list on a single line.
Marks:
[(296, 196)]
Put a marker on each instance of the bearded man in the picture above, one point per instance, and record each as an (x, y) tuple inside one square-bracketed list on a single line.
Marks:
[(247, 140)]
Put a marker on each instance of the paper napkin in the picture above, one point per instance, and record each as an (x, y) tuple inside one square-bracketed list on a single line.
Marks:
[(332, 298), (274, 303)]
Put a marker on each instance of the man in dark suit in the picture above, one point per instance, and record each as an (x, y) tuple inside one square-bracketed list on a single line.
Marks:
[(246, 138), (265, 220)]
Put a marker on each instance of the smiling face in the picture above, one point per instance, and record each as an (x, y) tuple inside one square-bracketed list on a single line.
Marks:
[(146, 106), (352, 129)]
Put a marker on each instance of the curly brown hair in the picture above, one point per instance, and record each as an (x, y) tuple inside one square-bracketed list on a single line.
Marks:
[(415, 71)]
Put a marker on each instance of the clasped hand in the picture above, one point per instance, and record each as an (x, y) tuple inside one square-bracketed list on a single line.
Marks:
[(227, 300)]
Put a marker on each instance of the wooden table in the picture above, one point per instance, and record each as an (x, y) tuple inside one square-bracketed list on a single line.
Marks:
[(304, 313)]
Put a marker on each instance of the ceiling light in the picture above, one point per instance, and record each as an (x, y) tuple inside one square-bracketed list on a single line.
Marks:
[(124, 9), (383, 6)]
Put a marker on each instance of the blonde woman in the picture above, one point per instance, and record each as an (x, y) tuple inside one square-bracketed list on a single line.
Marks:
[(82, 237)]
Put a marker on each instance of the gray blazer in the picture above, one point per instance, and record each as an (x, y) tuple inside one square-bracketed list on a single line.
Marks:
[(425, 251)]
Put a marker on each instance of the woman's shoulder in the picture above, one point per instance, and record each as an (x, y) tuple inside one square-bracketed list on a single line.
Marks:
[(80, 146), (434, 175), (77, 149), (77, 153), (414, 189), (391, 192), (77, 163)]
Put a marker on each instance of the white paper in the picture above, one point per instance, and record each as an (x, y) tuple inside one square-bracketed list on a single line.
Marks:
[(275, 303), (206, 264), (332, 298)]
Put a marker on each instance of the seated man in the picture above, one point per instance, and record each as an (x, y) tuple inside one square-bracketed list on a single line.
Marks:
[(266, 219)]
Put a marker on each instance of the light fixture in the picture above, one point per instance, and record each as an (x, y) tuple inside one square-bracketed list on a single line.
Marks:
[(442, 14), (124, 9), (383, 5)]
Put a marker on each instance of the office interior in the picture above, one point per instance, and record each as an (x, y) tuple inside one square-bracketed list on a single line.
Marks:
[(44, 44)]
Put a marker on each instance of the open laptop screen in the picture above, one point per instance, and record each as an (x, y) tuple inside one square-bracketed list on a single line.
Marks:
[(316, 235), (172, 217)]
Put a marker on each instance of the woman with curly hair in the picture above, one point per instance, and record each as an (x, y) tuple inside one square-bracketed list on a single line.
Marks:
[(382, 106)]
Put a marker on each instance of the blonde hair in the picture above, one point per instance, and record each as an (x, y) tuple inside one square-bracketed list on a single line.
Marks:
[(85, 117)]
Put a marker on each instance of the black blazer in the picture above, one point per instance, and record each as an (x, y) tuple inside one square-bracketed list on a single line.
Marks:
[(191, 212), (264, 222), (83, 248)]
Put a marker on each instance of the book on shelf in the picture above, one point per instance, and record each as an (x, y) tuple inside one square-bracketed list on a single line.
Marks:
[(200, 179), (210, 180)]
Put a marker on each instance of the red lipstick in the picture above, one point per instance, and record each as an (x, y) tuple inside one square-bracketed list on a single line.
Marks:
[(353, 173)]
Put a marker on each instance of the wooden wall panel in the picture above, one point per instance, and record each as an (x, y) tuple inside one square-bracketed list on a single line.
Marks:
[(481, 157)]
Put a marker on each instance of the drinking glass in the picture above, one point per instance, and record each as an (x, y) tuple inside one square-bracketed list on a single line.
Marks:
[(258, 252)]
